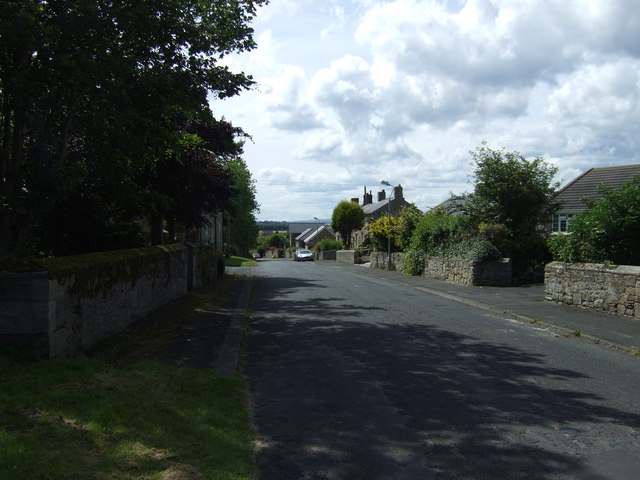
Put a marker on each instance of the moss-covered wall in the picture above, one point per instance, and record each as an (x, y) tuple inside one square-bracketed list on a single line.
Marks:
[(73, 302)]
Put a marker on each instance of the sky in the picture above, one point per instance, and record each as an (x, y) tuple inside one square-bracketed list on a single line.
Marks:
[(352, 92)]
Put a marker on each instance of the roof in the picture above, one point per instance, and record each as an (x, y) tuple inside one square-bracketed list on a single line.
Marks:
[(310, 233), (305, 233), (299, 227), (372, 208), (586, 185)]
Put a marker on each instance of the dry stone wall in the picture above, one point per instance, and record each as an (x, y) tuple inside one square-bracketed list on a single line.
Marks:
[(81, 300), (609, 288), (455, 270)]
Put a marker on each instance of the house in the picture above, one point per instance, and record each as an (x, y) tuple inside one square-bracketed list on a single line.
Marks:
[(586, 185), (297, 228), (374, 210), (311, 236)]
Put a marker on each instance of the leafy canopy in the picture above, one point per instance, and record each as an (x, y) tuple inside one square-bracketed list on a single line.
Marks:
[(516, 194), (96, 96), (347, 216)]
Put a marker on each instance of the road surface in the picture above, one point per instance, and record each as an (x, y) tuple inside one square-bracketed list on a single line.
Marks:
[(354, 377)]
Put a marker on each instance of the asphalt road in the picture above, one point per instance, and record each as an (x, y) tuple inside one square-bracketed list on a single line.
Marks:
[(354, 377)]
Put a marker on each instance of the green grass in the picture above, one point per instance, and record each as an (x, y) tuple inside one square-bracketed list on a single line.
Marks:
[(240, 262), (128, 417)]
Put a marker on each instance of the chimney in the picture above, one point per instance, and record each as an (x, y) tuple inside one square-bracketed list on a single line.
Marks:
[(397, 192), (382, 195), (355, 200)]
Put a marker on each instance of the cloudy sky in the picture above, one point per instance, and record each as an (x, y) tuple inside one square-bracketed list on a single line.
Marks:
[(352, 92)]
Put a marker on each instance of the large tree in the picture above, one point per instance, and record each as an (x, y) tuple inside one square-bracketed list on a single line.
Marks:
[(346, 217), (242, 207), (88, 93), (515, 192)]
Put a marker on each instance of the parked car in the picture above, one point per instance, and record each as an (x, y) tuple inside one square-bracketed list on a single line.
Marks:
[(256, 255), (302, 255)]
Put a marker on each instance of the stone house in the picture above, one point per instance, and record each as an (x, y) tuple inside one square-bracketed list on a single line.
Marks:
[(311, 236), (586, 185), (374, 210)]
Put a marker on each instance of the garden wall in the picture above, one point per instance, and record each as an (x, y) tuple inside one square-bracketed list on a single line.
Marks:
[(455, 270), (76, 301), (609, 288), (347, 256)]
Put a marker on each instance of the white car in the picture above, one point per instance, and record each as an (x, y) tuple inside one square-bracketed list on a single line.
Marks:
[(302, 255)]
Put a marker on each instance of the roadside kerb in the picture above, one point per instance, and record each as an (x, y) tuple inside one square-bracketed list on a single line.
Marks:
[(227, 363)]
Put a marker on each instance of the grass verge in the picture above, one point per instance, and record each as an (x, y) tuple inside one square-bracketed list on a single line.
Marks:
[(134, 418), (240, 262)]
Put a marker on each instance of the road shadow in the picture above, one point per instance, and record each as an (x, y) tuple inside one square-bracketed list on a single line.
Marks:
[(337, 396)]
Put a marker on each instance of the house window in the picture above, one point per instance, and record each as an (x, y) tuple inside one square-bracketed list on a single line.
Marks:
[(560, 223)]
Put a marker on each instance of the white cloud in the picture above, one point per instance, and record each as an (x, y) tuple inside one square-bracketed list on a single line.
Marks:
[(362, 90)]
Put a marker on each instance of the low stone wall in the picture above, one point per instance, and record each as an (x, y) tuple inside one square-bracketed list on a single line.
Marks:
[(380, 260), (468, 272), (347, 256), (77, 301), (455, 270), (609, 288), (327, 255)]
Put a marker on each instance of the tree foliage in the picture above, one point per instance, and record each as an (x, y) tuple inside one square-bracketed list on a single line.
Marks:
[(607, 232), (517, 193), (408, 219), (440, 234), (347, 216), (98, 101), (242, 207), (381, 230)]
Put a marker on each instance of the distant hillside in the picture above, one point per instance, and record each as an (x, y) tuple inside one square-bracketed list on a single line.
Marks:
[(273, 225)]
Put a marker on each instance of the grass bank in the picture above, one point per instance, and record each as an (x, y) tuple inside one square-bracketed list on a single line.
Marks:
[(123, 414), (240, 262)]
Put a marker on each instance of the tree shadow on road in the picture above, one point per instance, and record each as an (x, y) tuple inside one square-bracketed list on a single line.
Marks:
[(339, 397)]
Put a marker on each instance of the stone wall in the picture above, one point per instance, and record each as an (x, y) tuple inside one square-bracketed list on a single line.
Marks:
[(347, 256), (77, 301), (380, 260), (327, 255), (609, 288), (455, 270)]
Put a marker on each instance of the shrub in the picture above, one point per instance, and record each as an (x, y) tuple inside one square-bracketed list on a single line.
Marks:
[(413, 262), (327, 244), (437, 231), (379, 232), (476, 249)]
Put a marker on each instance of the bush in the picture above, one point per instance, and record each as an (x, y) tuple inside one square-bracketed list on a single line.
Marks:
[(437, 231), (379, 233), (413, 262), (327, 244), (476, 249)]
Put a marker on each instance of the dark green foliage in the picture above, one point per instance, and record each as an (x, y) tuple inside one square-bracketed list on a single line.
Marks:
[(440, 234), (346, 217), (607, 232), (110, 99), (327, 244), (413, 262), (437, 231), (243, 207), (407, 221), (515, 192)]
